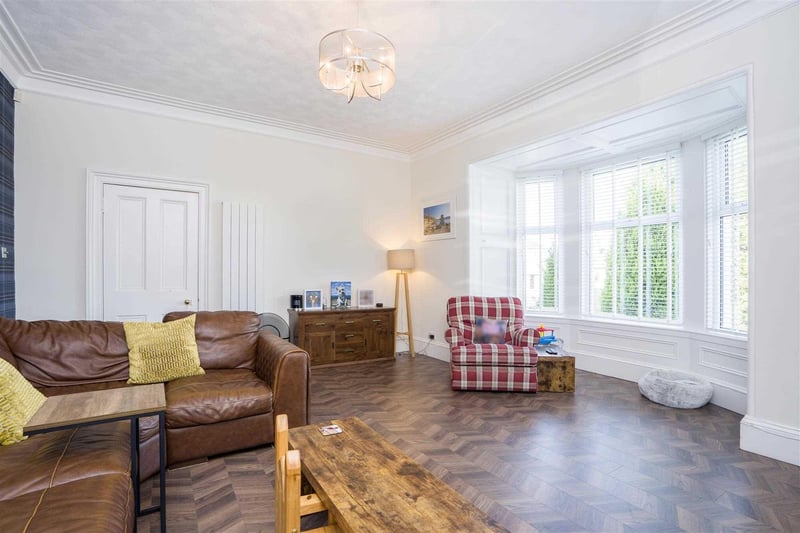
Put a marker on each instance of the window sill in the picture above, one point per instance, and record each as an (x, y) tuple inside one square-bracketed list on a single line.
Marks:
[(670, 330), (741, 337)]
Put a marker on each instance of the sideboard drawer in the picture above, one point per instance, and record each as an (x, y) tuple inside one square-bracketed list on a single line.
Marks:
[(349, 337), (320, 325), (349, 325), (377, 319)]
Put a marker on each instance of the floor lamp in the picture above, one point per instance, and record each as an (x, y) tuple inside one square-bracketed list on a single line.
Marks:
[(402, 260)]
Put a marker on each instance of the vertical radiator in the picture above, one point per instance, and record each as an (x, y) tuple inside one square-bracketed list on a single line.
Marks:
[(242, 257)]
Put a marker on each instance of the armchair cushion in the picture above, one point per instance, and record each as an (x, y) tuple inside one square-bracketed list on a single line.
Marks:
[(490, 331), (493, 355), (217, 396)]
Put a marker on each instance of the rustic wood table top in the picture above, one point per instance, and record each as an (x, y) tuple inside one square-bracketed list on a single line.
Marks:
[(367, 484), (92, 406)]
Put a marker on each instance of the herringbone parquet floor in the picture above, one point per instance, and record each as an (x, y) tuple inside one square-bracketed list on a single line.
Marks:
[(601, 459)]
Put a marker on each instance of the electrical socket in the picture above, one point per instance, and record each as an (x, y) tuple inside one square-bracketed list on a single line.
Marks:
[(431, 336)]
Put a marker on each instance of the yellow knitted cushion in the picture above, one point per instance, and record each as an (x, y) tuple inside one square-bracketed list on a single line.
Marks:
[(162, 351), (19, 401)]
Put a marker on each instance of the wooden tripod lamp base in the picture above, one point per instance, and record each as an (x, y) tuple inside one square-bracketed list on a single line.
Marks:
[(403, 260)]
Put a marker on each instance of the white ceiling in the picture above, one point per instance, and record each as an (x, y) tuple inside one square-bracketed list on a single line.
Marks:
[(455, 60)]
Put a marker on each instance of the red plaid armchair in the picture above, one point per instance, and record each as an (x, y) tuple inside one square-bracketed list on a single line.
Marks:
[(495, 367)]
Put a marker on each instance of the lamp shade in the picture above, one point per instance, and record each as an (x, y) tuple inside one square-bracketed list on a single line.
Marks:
[(400, 259), (356, 62)]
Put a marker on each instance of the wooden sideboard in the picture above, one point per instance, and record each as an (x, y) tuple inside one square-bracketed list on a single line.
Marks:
[(344, 335)]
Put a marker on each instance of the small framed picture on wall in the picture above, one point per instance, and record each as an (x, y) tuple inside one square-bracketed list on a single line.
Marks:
[(312, 299), (438, 219), (366, 298)]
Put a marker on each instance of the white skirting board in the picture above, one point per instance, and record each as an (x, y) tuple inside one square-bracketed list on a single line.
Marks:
[(242, 257), (435, 349), (424, 346), (773, 440), (724, 394)]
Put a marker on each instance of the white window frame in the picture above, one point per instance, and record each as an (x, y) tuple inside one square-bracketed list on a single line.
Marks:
[(716, 210), (557, 230), (588, 227)]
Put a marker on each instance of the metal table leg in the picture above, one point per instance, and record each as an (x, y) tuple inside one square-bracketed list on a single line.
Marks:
[(135, 470), (162, 458), (161, 508)]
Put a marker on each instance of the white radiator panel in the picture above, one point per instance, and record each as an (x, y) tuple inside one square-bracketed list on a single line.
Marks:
[(242, 257)]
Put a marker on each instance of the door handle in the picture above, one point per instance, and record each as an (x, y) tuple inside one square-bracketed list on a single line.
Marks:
[(187, 301)]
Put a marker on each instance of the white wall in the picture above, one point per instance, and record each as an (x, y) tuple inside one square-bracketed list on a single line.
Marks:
[(330, 214), (768, 47)]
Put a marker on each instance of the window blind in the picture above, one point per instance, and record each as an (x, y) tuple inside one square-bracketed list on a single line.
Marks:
[(631, 236), (538, 222), (726, 223)]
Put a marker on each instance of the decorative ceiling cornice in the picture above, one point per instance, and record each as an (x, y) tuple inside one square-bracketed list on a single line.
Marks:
[(608, 58), (27, 74), (22, 67), (704, 22)]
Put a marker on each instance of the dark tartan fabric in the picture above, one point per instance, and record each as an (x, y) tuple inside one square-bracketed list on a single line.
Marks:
[(7, 289), (496, 367)]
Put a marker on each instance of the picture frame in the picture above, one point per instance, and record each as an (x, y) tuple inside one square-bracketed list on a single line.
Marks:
[(341, 294), (312, 299), (366, 298), (438, 219)]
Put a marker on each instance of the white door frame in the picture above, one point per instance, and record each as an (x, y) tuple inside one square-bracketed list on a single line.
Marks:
[(95, 181)]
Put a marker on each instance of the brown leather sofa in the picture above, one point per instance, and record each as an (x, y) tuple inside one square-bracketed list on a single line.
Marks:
[(75, 480), (250, 376)]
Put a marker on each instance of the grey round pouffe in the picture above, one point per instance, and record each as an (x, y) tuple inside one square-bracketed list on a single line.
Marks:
[(674, 388)]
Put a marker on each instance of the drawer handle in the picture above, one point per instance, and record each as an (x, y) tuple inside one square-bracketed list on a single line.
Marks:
[(377, 320), (347, 350), (348, 336), (349, 321), (319, 323)]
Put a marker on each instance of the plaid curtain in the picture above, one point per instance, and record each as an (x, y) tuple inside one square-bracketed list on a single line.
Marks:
[(7, 290)]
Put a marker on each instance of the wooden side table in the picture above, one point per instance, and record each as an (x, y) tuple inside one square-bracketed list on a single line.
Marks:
[(101, 406), (556, 373)]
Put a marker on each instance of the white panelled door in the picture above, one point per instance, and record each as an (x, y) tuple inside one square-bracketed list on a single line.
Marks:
[(150, 252)]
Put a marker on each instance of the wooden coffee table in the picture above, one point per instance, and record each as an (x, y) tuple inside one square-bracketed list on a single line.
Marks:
[(367, 484), (103, 406)]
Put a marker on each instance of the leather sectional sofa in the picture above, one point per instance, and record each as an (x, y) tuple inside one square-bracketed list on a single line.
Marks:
[(84, 475)]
